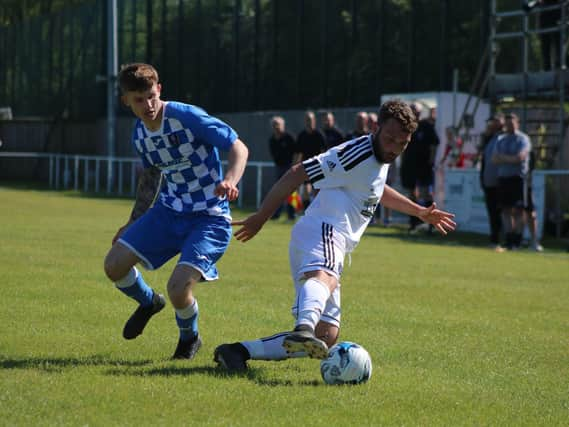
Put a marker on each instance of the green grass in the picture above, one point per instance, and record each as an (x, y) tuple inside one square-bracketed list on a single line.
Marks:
[(458, 335)]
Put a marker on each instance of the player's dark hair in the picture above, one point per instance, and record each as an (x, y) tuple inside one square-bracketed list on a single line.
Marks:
[(400, 111), (137, 77)]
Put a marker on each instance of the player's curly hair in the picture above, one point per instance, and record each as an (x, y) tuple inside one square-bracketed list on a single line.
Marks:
[(137, 77), (400, 111)]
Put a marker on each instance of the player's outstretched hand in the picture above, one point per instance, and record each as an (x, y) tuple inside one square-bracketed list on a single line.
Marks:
[(226, 188), (250, 226), (441, 220)]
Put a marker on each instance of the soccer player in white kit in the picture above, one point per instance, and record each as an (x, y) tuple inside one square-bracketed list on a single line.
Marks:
[(351, 182)]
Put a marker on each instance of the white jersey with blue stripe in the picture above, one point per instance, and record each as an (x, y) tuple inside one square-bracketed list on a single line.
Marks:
[(185, 149), (350, 181)]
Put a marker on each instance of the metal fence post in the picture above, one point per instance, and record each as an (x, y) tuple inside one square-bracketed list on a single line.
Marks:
[(57, 172), (120, 186), (97, 174), (51, 175), (76, 174), (66, 171), (132, 178), (259, 186), (86, 175)]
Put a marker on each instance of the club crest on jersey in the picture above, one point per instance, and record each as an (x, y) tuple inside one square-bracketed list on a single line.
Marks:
[(173, 139), (331, 165), (370, 205)]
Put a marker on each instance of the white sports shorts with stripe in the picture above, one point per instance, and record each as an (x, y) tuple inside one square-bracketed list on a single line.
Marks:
[(315, 245)]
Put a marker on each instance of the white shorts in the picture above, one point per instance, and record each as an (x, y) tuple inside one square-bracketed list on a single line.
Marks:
[(315, 245)]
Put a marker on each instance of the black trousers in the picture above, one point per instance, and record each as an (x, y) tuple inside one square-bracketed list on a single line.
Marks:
[(494, 213)]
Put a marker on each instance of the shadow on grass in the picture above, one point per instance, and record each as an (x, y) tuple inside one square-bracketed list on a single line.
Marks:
[(25, 185), (256, 375), (166, 371), (58, 364)]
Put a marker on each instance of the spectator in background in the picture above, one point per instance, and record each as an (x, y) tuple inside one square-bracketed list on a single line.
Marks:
[(511, 154), (417, 164), (453, 156), (361, 126), (332, 134), (283, 148), (432, 115), (372, 123), (489, 177), (310, 142)]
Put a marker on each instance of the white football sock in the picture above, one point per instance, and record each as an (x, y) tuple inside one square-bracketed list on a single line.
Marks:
[(189, 311), (129, 279), (270, 348), (312, 298)]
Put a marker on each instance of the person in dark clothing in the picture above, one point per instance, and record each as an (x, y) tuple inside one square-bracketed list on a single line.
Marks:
[(283, 148), (512, 155), (372, 122), (332, 134), (361, 126), (489, 177), (417, 164), (310, 142)]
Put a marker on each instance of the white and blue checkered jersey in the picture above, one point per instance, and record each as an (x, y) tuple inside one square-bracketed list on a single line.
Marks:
[(185, 149), (351, 182)]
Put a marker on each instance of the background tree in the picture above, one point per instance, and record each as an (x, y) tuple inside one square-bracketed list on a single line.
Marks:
[(240, 55)]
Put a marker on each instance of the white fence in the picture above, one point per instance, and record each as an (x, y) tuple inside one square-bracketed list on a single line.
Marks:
[(117, 176), (113, 175)]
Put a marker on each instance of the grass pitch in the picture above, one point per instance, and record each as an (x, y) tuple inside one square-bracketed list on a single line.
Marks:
[(458, 335)]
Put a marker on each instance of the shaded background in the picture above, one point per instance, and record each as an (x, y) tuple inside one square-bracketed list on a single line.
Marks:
[(244, 55)]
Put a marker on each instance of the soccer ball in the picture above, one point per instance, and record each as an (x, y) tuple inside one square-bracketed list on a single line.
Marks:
[(347, 363)]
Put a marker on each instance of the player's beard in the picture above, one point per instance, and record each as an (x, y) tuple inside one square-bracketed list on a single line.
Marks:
[(380, 153), (386, 158)]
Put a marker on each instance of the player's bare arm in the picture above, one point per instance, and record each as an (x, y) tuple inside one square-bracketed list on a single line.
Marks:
[(289, 182), (148, 186), (441, 220), (237, 160)]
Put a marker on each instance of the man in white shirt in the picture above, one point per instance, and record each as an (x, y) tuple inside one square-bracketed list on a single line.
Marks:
[(350, 180)]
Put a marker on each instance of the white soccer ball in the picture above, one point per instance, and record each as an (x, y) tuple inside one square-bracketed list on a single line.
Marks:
[(347, 363)]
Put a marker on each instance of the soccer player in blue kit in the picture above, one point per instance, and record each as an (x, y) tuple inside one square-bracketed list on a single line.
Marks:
[(178, 144), (351, 181)]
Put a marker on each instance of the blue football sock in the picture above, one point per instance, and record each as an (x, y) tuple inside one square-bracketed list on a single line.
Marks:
[(134, 286), (187, 320)]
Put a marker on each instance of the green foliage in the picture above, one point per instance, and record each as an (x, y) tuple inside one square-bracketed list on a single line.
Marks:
[(241, 55), (458, 334)]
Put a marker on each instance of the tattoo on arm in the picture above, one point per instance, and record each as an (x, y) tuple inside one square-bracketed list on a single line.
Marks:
[(149, 184)]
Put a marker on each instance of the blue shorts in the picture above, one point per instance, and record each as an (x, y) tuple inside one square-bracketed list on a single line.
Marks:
[(161, 233)]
